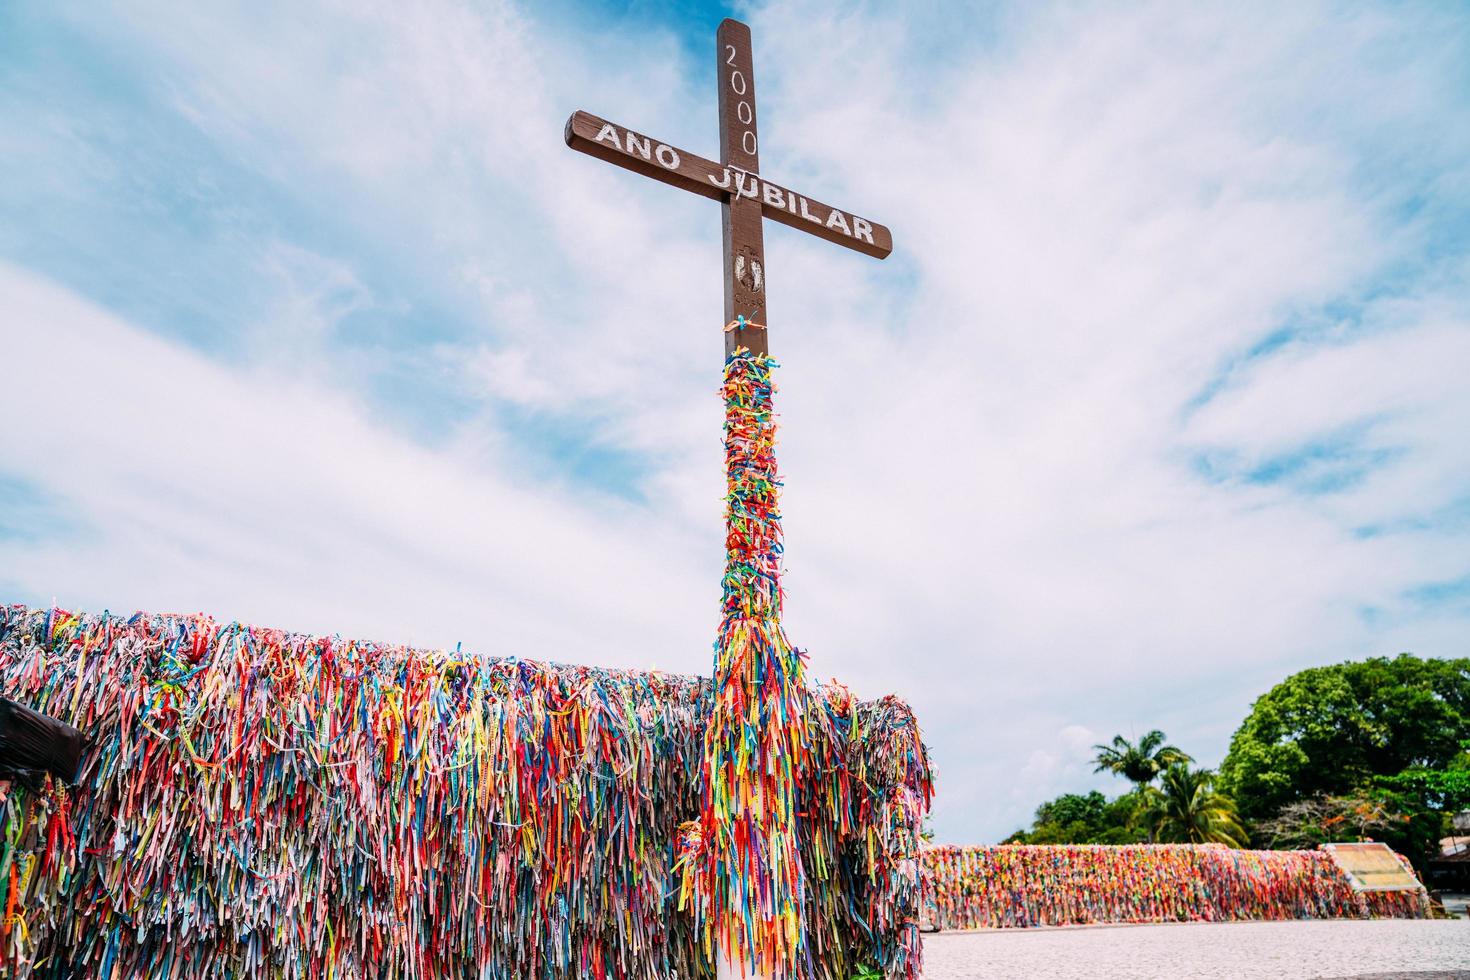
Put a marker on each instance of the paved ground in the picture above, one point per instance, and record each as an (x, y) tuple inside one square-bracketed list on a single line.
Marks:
[(1246, 950)]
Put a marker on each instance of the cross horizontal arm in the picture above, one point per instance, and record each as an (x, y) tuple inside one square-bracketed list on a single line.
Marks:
[(644, 155)]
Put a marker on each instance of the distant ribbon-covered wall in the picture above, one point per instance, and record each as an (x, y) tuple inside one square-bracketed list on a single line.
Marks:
[(256, 803), (1018, 885)]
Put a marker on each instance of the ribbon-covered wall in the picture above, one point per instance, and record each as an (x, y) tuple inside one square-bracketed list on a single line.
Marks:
[(998, 886), (255, 803)]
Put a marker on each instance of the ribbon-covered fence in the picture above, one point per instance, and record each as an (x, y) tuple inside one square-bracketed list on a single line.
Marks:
[(1018, 885), (256, 803)]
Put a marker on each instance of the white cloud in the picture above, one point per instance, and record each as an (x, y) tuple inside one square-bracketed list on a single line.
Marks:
[(992, 505), (254, 497)]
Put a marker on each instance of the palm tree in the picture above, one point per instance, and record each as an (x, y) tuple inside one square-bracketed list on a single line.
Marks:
[(1140, 763), (1187, 809)]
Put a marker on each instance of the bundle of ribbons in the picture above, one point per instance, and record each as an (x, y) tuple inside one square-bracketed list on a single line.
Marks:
[(743, 873), (1009, 885), (256, 803)]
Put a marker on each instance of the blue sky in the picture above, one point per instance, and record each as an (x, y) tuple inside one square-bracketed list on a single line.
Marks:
[(311, 320)]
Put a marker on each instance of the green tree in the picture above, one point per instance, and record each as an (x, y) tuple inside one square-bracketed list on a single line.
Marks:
[(1303, 824), (1140, 763), (1433, 789), (1446, 790), (1328, 731), (1398, 819), (1186, 808), (1083, 818)]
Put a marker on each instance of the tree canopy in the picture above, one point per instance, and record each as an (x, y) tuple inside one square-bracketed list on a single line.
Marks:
[(1373, 749), (1187, 809), (1083, 818), (1328, 730), (1141, 762)]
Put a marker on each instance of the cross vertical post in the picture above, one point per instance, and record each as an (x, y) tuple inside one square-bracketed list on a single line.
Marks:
[(745, 256), (741, 864)]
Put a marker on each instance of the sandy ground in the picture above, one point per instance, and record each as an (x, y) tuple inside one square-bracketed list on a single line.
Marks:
[(1378, 949)]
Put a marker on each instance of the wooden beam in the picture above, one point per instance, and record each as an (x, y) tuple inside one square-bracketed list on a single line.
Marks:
[(607, 141), (745, 250)]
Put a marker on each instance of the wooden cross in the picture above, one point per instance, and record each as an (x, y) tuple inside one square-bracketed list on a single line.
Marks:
[(736, 183)]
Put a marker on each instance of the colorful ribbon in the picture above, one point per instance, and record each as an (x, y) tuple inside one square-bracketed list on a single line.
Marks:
[(1000, 886), (257, 803), (742, 865)]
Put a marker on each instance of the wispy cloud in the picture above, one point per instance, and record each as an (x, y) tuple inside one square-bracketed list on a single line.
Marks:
[(318, 324)]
